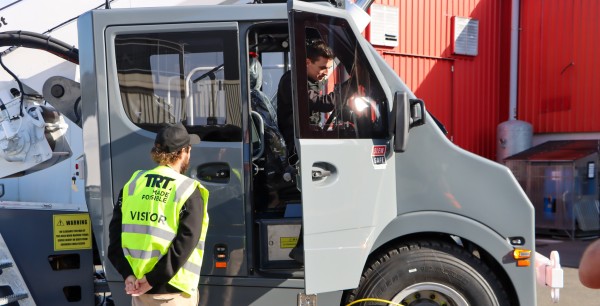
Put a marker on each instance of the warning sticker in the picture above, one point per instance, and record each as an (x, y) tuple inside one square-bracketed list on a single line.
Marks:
[(72, 232), (378, 157), (288, 242)]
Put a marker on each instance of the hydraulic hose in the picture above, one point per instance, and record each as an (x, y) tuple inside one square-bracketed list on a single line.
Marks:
[(36, 41), (41, 42)]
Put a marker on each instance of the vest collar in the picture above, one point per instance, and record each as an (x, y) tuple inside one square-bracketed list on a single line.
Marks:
[(167, 168)]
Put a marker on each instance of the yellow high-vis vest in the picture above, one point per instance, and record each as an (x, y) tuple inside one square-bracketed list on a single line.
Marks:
[(152, 201)]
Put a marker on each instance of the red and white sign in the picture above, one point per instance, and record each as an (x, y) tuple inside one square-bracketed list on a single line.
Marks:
[(378, 156)]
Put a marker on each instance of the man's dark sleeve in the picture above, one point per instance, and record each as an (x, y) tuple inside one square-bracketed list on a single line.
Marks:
[(320, 102), (185, 242), (115, 248), (324, 103)]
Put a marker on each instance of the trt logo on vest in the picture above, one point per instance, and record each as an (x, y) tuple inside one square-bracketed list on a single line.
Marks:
[(155, 180), (158, 181)]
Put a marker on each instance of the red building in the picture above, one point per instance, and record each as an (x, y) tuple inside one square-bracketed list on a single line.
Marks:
[(552, 82)]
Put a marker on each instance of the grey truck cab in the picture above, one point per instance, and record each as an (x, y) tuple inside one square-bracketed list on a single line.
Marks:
[(407, 220)]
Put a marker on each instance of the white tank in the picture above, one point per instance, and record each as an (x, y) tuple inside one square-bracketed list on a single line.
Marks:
[(514, 136)]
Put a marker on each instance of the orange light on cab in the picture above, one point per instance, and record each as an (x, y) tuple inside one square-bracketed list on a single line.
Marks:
[(221, 264), (522, 256)]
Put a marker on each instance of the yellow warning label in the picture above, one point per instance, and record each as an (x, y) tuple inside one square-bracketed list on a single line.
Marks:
[(72, 232), (288, 242)]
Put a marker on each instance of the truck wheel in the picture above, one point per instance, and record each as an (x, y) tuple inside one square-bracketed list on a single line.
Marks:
[(429, 273)]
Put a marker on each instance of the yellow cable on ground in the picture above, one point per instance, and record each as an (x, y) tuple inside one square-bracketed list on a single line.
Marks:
[(375, 300)]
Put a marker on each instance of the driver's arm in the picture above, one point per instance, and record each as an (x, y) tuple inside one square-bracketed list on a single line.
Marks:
[(324, 103), (321, 102)]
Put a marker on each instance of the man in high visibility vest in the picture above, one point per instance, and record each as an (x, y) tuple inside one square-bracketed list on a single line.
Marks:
[(159, 226)]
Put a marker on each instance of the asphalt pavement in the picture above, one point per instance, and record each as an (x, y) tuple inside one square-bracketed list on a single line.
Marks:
[(570, 251)]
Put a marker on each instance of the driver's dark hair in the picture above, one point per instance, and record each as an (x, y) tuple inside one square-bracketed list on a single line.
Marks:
[(316, 48)]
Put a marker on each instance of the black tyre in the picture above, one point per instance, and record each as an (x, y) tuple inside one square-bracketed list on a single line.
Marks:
[(429, 273)]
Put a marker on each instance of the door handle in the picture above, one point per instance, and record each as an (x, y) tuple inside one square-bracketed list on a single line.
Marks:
[(321, 171), (214, 173)]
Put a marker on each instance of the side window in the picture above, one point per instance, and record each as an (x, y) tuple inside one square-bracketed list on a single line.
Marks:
[(189, 77), (360, 105)]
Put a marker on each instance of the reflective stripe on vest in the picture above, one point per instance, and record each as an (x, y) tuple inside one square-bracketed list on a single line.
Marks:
[(192, 268), (139, 254), (132, 184), (149, 230), (183, 188), (151, 206)]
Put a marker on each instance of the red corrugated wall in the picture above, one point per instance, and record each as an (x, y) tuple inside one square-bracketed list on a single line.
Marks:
[(558, 65), (465, 93)]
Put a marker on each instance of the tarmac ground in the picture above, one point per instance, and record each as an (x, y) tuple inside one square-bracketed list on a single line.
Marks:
[(573, 293)]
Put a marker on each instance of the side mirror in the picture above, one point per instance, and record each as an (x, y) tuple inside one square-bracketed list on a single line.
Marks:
[(400, 121), (406, 114), (257, 135)]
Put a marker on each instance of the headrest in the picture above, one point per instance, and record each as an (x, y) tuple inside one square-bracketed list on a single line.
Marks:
[(255, 70)]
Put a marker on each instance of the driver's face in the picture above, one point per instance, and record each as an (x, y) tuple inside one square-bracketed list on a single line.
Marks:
[(319, 69)]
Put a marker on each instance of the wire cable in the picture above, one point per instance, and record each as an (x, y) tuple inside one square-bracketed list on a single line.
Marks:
[(375, 300), (20, 87)]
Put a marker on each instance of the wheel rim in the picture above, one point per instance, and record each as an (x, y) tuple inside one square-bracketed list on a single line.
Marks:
[(429, 294)]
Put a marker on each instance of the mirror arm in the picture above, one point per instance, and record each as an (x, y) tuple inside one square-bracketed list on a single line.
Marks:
[(417, 113)]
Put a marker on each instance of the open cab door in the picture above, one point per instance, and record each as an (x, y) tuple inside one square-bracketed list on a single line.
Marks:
[(346, 171)]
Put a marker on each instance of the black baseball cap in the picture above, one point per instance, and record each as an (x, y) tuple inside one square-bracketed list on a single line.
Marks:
[(174, 137)]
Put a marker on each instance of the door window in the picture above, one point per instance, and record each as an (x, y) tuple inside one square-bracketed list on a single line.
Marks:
[(189, 77), (360, 105)]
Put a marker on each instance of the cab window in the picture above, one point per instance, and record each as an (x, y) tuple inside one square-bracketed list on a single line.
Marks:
[(361, 106), (189, 77)]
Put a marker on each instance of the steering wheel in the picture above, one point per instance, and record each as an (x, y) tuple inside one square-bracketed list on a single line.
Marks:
[(337, 112)]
